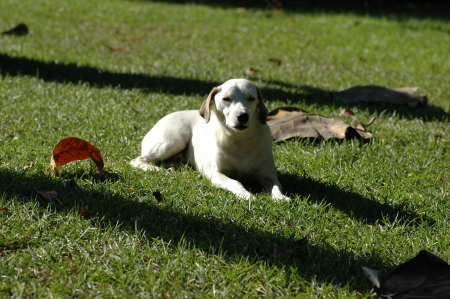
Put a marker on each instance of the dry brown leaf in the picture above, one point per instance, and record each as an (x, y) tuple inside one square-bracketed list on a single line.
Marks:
[(436, 138), (72, 149), (50, 195), (289, 122), (20, 29), (157, 195), (280, 112), (424, 276), (346, 112), (114, 48), (276, 60), (251, 70), (284, 252), (29, 165), (4, 209), (357, 124), (376, 94), (83, 212)]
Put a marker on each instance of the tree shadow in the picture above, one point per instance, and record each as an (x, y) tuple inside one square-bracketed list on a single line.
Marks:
[(353, 204), (210, 234), (398, 10), (319, 97), (75, 74)]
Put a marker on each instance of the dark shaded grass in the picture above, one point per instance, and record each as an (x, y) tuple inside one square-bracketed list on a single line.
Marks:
[(163, 221), (400, 9), (73, 73)]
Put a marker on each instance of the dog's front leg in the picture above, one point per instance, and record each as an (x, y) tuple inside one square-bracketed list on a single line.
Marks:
[(222, 181), (273, 186)]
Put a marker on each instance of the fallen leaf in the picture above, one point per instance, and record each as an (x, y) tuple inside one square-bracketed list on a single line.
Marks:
[(20, 29), (292, 21), (72, 149), (377, 94), (356, 123), (289, 122), (346, 112), (251, 70), (287, 251), (4, 209), (28, 165), (276, 60), (280, 112), (113, 48), (437, 138), (373, 276), (424, 276), (445, 181), (158, 196), (83, 212), (50, 195)]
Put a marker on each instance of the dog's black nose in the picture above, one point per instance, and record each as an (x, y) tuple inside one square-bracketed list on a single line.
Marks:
[(242, 118)]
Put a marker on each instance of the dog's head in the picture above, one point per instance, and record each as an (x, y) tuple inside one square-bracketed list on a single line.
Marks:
[(238, 104)]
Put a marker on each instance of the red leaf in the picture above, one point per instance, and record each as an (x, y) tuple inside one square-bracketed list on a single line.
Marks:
[(72, 149), (83, 212)]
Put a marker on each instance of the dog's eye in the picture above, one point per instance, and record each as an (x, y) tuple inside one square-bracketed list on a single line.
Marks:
[(226, 99), (251, 99)]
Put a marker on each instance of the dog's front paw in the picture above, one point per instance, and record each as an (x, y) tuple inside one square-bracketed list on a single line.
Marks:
[(140, 163), (246, 195), (280, 198)]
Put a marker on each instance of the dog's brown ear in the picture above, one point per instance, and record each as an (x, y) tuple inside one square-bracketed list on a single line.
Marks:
[(262, 114), (205, 109)]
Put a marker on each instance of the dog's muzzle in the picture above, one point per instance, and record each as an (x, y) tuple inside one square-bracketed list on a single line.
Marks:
[(243, 118)]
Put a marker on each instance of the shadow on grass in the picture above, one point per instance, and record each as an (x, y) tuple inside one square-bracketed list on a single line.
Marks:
[(163, 221), (72, 73), (311, 95), (354, 205), (395, 10)]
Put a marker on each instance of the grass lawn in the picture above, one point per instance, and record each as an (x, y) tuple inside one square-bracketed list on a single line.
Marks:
[(105, 71)]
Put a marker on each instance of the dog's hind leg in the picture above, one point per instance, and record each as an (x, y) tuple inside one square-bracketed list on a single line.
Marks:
[(162, 142)]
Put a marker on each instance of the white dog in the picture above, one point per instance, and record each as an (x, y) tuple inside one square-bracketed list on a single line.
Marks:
[(229, 144)]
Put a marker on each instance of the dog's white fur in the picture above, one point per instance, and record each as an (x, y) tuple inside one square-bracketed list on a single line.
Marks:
[(228, 144)]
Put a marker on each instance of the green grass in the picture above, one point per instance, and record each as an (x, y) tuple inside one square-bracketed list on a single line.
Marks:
[(106, 71)]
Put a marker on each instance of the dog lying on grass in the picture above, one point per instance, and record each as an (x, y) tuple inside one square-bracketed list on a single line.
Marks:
[(228, 144)]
